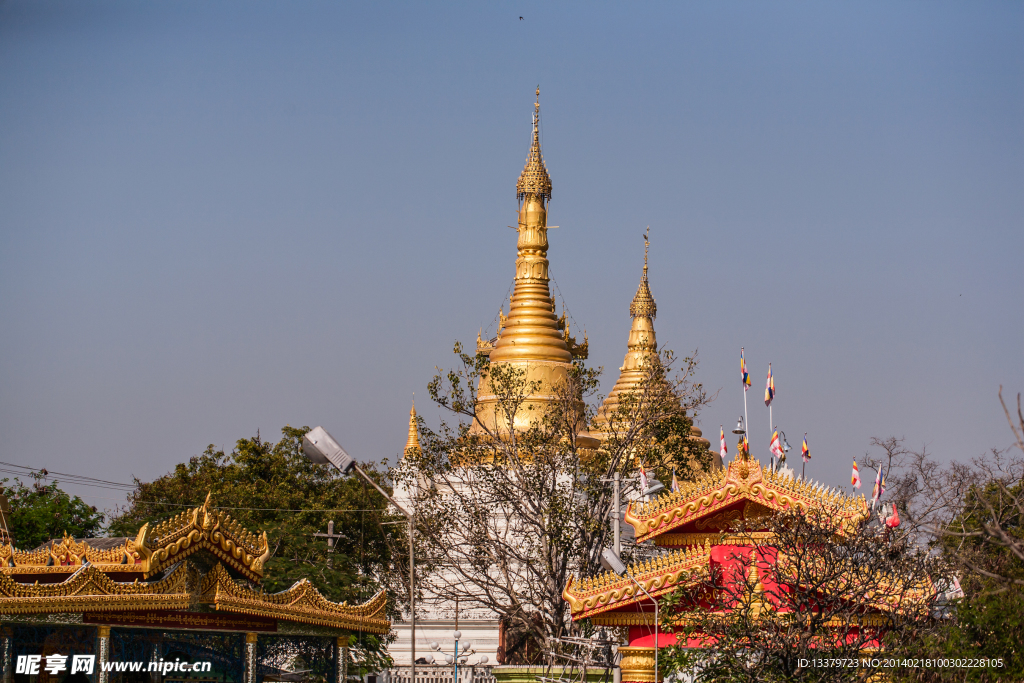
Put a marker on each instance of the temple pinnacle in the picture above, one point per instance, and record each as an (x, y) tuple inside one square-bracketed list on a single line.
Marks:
[(643, 305), (534, 179)]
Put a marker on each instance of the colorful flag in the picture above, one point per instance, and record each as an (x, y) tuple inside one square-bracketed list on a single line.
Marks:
[(724, 451), (879, 488), (644, 485), (743, 446), (675, 482), (769, 387), (855, 479), (776, 447), (805, 452), (743, 371)]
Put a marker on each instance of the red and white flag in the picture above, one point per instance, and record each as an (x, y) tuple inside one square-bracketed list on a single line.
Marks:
[(724, 451), (644, 484), (855, 479), (775, 447)]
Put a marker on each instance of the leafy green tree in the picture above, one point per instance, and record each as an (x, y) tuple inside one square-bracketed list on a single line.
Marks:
[(273, 487), (41, 512)]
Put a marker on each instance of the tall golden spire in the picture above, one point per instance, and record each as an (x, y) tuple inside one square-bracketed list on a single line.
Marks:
[(413, 442), (532, 337)]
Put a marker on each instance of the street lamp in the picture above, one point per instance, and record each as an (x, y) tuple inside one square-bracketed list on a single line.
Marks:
[(321, 448), (457, 657), (611, 561)]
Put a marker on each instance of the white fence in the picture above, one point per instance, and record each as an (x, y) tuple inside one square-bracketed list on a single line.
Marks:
[(434, 673)]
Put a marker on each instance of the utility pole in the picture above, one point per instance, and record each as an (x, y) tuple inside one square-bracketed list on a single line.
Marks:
[(615, 515), (331, 538)]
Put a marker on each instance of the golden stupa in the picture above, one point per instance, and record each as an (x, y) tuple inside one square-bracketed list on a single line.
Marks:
[(531, 338)]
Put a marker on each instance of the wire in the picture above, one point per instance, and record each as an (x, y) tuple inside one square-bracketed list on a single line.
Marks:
[(79, 479), (562, 297), (71, 479)]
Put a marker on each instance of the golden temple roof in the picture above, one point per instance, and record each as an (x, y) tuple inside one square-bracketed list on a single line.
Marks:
[(534, 180), (744, 480)]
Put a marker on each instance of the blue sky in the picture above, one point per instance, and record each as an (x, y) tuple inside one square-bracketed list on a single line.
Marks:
[(223, 217)]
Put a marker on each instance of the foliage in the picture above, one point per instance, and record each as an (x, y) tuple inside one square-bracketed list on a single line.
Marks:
[(807, 589), (506, 514), (273, 487), (41, 512)]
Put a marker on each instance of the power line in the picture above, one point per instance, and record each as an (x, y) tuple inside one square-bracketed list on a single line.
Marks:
[(103, 483), (22, 470)]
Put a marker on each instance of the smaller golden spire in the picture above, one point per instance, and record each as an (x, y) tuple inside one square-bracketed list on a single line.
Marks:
[(643, 305), (413, 442)]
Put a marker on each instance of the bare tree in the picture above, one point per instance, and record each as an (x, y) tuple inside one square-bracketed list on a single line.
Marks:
[(813, 599), (975, 509), (507, 514)]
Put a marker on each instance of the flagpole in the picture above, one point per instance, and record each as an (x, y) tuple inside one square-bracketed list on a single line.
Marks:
[(746, 420)]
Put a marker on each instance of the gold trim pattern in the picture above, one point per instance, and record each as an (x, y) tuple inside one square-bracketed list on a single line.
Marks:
[(714, 538)]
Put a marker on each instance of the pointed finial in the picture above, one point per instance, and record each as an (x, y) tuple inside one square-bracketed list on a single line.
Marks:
[(643, 305), (534, 178), (647, 243)]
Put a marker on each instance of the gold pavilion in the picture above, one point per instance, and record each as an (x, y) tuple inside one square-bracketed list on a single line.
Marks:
[(188, 587)]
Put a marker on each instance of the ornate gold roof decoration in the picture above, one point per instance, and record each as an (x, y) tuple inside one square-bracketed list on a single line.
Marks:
[(89, 588), (534, 180), (153, 549), (742, 480), (65, 555), (663, 574), (202, 528), (301, 603)]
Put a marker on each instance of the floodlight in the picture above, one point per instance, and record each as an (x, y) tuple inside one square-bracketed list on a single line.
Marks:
[(612, 562), (739, 427), (655, 487), (321, 448)]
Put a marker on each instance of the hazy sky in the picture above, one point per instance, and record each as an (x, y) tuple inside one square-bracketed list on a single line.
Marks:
[(223, 217)]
